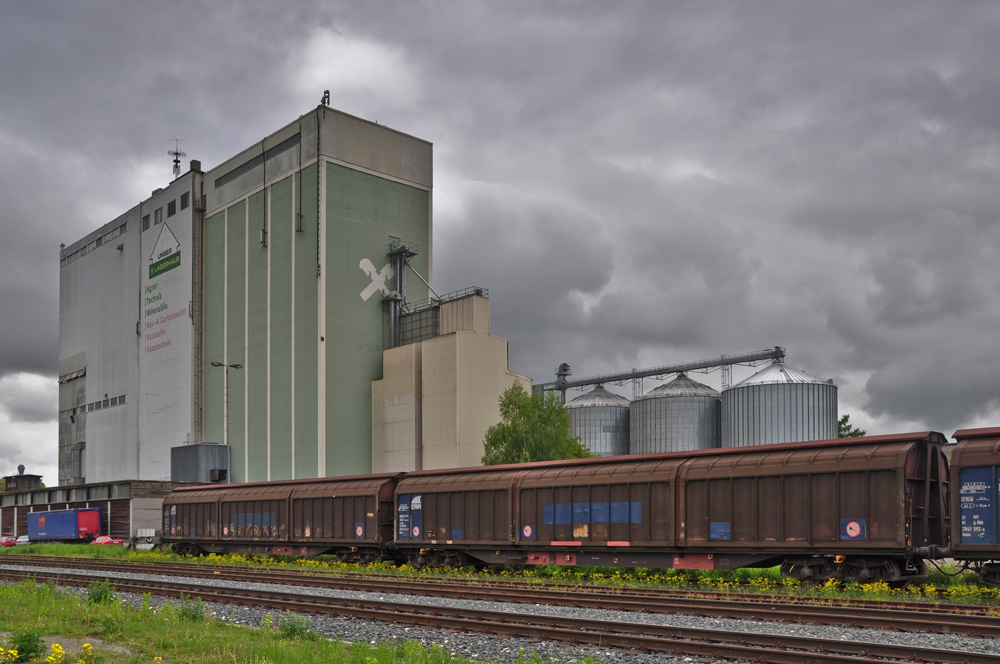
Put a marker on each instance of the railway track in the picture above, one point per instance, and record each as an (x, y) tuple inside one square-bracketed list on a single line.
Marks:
[(781, 649), (904, 616)]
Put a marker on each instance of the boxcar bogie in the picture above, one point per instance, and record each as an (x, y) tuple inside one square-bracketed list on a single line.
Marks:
[(861, 569)]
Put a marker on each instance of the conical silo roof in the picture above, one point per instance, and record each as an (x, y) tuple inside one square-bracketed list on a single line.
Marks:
[(597, 398), (682, 386), (780, 373)]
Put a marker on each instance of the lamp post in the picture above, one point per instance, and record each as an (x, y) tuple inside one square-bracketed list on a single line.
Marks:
[(225, 399)]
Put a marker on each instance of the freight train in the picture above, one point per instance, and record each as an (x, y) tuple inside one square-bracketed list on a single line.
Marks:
[(876, 508)]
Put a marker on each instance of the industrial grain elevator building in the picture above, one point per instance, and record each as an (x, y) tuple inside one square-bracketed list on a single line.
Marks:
[(248, 305)]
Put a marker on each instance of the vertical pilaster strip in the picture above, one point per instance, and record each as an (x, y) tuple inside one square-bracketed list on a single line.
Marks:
[(292, 230), (321, 318), (246, 337), (225, 328), (198, 323), (267, 330)]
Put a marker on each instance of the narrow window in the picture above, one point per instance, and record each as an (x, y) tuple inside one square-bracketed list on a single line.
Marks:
[(185, 197), (157, 215), (171, 208)]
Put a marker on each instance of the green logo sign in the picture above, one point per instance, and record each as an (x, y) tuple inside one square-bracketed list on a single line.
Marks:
[(165, 265)]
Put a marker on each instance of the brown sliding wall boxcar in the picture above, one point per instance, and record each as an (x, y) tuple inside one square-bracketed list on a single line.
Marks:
[(348, 516), (975, 501), (863, 509), (619, 512), (869, 501), (441, 516)]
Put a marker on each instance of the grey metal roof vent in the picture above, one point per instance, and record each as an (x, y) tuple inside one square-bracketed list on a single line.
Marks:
[(599, 397), (682, 386), (780, 373)]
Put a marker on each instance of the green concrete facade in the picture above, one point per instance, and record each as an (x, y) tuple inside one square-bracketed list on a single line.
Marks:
[(290, 309)]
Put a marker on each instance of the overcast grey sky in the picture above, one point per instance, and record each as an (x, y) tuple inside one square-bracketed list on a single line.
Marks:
[(637, 183)]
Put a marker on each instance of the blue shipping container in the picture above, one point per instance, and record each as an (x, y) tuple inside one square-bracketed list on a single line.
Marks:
[(60, 525)]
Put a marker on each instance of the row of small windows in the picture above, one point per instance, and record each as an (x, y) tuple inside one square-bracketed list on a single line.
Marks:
[(171, 211), (91, 407), (101, 241)]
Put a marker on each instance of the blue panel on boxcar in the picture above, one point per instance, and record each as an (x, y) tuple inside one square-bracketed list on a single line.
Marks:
[(416, 517), (853, 529), (977, 505), (718, 530), (457, 533), (403, 517), (555, 514), (564, 514)]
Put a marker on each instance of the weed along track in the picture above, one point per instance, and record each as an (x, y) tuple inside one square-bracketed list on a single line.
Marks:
[(624, 630), (910, 616)]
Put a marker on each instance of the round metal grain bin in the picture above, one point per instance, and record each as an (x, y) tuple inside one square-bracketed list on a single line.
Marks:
[(600, 419), (678, 416), (779, 404)]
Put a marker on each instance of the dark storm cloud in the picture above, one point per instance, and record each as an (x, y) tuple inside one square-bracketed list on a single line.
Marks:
[(27, 402), (636, 184)]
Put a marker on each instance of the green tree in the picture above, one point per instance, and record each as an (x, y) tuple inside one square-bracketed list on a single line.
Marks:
[(533, 427), (846, 430)]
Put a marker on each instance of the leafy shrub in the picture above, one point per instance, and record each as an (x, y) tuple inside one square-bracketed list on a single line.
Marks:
[(191, 609), (100, 592), (114, 623), (27, 642), (292, 626)]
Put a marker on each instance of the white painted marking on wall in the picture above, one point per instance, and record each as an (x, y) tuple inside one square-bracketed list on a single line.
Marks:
[(378, 278)]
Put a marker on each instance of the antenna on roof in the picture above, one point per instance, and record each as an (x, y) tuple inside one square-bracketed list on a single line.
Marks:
[(177, 154)]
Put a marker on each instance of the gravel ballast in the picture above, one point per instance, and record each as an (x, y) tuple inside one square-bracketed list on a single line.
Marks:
[(507, 649)]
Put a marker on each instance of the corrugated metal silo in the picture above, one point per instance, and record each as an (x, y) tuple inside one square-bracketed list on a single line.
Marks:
[(779, 404), (600, 419), (677, 416)]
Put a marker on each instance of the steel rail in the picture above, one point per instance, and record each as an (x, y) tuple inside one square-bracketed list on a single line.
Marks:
[(904, 616), (780, 649), (911, 616)]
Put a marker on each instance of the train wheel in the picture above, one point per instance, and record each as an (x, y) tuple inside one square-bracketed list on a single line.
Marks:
[(990, 573)]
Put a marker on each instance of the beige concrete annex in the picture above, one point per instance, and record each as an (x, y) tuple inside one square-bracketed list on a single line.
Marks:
[(437, 397)]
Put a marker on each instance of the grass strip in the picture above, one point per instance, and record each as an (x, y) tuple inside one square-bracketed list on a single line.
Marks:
[(110, 630)]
